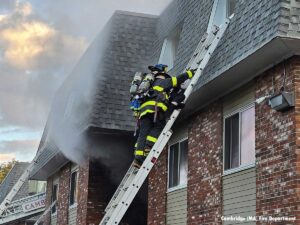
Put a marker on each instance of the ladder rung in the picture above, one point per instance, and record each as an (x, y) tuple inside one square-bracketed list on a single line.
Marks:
[(207, 46), (204, 37), (215, 29)]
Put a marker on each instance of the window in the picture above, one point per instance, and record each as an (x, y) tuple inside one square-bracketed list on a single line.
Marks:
[(54, 197), (73, 188), (221, 9), (230, 7), (169, 49), (239, 139), (35, 187), (178, 164)]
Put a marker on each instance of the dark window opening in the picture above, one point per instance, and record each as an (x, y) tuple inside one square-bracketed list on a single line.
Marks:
[(178, 164), (54, 197), (73, 188)]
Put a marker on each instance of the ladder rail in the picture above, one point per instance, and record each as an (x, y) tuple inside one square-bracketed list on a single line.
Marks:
[(163, 139), (120, 191), (121, 187)]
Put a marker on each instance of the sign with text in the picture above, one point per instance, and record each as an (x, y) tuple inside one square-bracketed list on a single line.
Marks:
[(33, 205)]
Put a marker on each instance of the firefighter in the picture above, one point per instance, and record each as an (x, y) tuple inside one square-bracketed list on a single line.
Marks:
[(152, 112)]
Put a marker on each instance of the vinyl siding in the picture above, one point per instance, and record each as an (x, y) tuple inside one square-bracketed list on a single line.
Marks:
[(54, 219), (72, 215), (177, 207), (180, 132), (238, 99), (239, 195)]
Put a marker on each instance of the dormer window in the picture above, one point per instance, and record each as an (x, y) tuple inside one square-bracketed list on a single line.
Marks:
[(230, 7), (220, 11), (169, 49)]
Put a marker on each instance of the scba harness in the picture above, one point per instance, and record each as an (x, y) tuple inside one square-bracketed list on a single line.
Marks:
[(140, 89)]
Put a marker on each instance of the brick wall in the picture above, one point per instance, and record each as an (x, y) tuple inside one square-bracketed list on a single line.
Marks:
[(99, 192), (296, 71), (204, 173), (277, 154), (205, 167), (47, 217), (63, 195), (157, 188), (83, 181)]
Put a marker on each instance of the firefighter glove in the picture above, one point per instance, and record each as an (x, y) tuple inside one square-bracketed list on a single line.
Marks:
[(191, 72), (178, 105)]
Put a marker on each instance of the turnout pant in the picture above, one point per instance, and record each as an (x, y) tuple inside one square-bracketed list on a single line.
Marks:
[(148, 134)]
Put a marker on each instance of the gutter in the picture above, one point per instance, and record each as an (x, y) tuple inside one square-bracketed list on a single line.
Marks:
[(240, 72)]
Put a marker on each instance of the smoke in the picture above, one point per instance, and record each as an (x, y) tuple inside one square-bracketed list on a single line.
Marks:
[(73, 103), (33, 58), (40, 43)]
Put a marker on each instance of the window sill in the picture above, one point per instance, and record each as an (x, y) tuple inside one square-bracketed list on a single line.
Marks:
[(73, 206), (182, 186), (238, 169)]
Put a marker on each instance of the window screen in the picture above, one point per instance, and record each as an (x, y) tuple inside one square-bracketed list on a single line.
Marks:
[(248, 136), (239, 139)]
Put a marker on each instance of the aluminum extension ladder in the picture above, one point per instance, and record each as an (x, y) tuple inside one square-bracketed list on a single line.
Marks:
[(134, 178)]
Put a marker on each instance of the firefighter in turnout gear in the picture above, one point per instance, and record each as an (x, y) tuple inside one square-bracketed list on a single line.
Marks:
[(153, 108)]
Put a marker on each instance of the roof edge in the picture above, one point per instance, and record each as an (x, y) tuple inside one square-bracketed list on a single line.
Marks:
[(130, 13), (239, 73)]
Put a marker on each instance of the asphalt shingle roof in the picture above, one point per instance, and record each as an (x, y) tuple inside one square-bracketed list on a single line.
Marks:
[(11, 178), (129, 49)]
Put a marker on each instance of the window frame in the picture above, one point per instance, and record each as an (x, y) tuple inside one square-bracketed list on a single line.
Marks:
[(213, 14), (170, 38), (180, 186), (74, 170), (227, 8), (240, 167)]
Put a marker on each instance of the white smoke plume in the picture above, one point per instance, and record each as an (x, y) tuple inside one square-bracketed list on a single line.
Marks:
[(40, 43)]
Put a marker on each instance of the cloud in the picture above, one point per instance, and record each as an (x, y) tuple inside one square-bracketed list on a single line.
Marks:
[(34, 58), (94, 14), (2, 17), (7, 5), (23, 150), (7, 157), (25, 42)]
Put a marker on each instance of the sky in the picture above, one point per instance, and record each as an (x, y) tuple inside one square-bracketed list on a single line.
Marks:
[(40, 43)]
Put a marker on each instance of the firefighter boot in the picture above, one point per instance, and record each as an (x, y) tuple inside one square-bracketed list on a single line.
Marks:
[(138, 161)]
